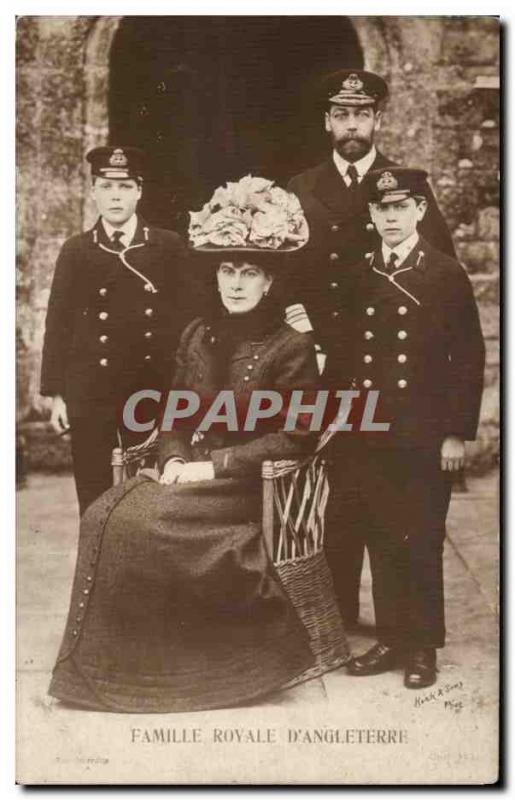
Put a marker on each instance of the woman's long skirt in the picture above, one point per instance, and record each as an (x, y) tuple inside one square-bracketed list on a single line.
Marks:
[(175, 604)]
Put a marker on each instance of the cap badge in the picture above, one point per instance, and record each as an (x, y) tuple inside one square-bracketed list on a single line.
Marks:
[(387, 181), (352, 83), (118, 158)]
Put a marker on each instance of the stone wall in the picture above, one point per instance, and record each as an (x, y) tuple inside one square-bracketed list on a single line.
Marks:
[(443, 116), (51, 178)]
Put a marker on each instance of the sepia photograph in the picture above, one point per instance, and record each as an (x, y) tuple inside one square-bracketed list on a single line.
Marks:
[(258, 271)]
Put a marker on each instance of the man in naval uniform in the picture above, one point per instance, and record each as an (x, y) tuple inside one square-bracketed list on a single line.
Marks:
[(409, 330), (341, 231), (117, 305)]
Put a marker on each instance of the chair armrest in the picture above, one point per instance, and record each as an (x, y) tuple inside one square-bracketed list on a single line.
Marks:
[(274, 469), (139, 451)]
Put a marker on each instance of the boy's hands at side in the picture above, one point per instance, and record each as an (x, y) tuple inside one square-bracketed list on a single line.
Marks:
[(452, 454), (59, 415)]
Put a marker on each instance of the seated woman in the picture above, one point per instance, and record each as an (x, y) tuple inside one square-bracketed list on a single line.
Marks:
[(175, 604)]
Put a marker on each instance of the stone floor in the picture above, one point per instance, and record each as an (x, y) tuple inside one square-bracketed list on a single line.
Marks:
[(310, 734)]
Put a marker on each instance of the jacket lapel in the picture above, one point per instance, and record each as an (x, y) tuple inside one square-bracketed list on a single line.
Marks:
[(97, 235), (331, 190), (381, 161), (144, 234), (108, 265), (410, 276)]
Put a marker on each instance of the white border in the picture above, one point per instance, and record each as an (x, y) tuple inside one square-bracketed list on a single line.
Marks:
[(7, 346)]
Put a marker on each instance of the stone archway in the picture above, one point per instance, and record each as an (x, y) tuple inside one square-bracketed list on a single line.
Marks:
[(371, 36)]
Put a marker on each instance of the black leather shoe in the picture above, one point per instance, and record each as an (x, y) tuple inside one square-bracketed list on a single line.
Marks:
[(420, 669), (380, 658)]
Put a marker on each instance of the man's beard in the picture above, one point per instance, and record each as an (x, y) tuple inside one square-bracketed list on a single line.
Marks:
[(352, 148)]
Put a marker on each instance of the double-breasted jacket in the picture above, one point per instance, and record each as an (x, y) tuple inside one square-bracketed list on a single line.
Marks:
[(415, 336), (113, 318), (340, 233)]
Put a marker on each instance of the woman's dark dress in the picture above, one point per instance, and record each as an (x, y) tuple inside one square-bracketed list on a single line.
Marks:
[(175, 604)]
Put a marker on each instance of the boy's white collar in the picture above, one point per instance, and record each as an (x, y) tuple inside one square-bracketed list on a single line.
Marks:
[(128, 229), (402, 250)]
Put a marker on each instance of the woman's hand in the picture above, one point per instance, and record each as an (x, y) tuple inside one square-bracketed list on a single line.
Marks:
[(172, 471), (197, 471)]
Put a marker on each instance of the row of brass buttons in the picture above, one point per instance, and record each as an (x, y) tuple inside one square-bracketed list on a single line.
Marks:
[(103, 315), (401, 358), (370, 311), (104, 362), (370, 335), (401, 383), (250, 367)]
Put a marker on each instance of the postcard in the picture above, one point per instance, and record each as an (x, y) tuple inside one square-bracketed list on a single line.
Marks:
[(257, 344)]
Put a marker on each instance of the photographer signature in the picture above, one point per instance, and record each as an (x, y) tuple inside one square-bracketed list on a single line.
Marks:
[(442, 693)]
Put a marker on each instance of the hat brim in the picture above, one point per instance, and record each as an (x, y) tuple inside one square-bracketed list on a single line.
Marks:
[(212, 252), (352, 100), (397, 196), (394, 196), (117, 174)]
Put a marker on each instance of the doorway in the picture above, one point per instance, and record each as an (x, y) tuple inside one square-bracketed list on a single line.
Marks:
[(211, 99)]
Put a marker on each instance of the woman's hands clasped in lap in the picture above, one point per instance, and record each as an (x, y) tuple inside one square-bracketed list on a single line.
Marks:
[(191, 472)]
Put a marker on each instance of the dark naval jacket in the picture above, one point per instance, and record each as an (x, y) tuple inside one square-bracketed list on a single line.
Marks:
[(415, 336), (280, 360), (113, 318), (340, 234)]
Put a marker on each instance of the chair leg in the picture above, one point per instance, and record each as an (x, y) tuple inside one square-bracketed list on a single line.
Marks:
[(117, 465), (268, 511)]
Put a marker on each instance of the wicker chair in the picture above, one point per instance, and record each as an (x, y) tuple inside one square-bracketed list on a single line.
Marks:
[(295, 495)]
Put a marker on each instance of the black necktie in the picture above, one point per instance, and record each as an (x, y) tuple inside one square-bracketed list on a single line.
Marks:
[(352, 173), (116, 240), (392, 261)]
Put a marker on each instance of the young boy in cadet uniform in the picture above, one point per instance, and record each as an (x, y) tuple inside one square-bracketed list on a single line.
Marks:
[(410, 329), (117, 305)]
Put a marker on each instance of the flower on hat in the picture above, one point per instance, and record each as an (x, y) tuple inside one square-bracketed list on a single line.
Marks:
[(269, 228), (249, 213), (224, 228)]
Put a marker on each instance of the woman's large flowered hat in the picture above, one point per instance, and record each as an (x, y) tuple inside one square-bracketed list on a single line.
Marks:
[(252, 216)]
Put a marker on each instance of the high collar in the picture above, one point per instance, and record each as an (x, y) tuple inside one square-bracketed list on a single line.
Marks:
[(332, 192), (231, 336), (362, 166), (143, 234), (402, 250), (128, 229), (416, 258), (254, 325)]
